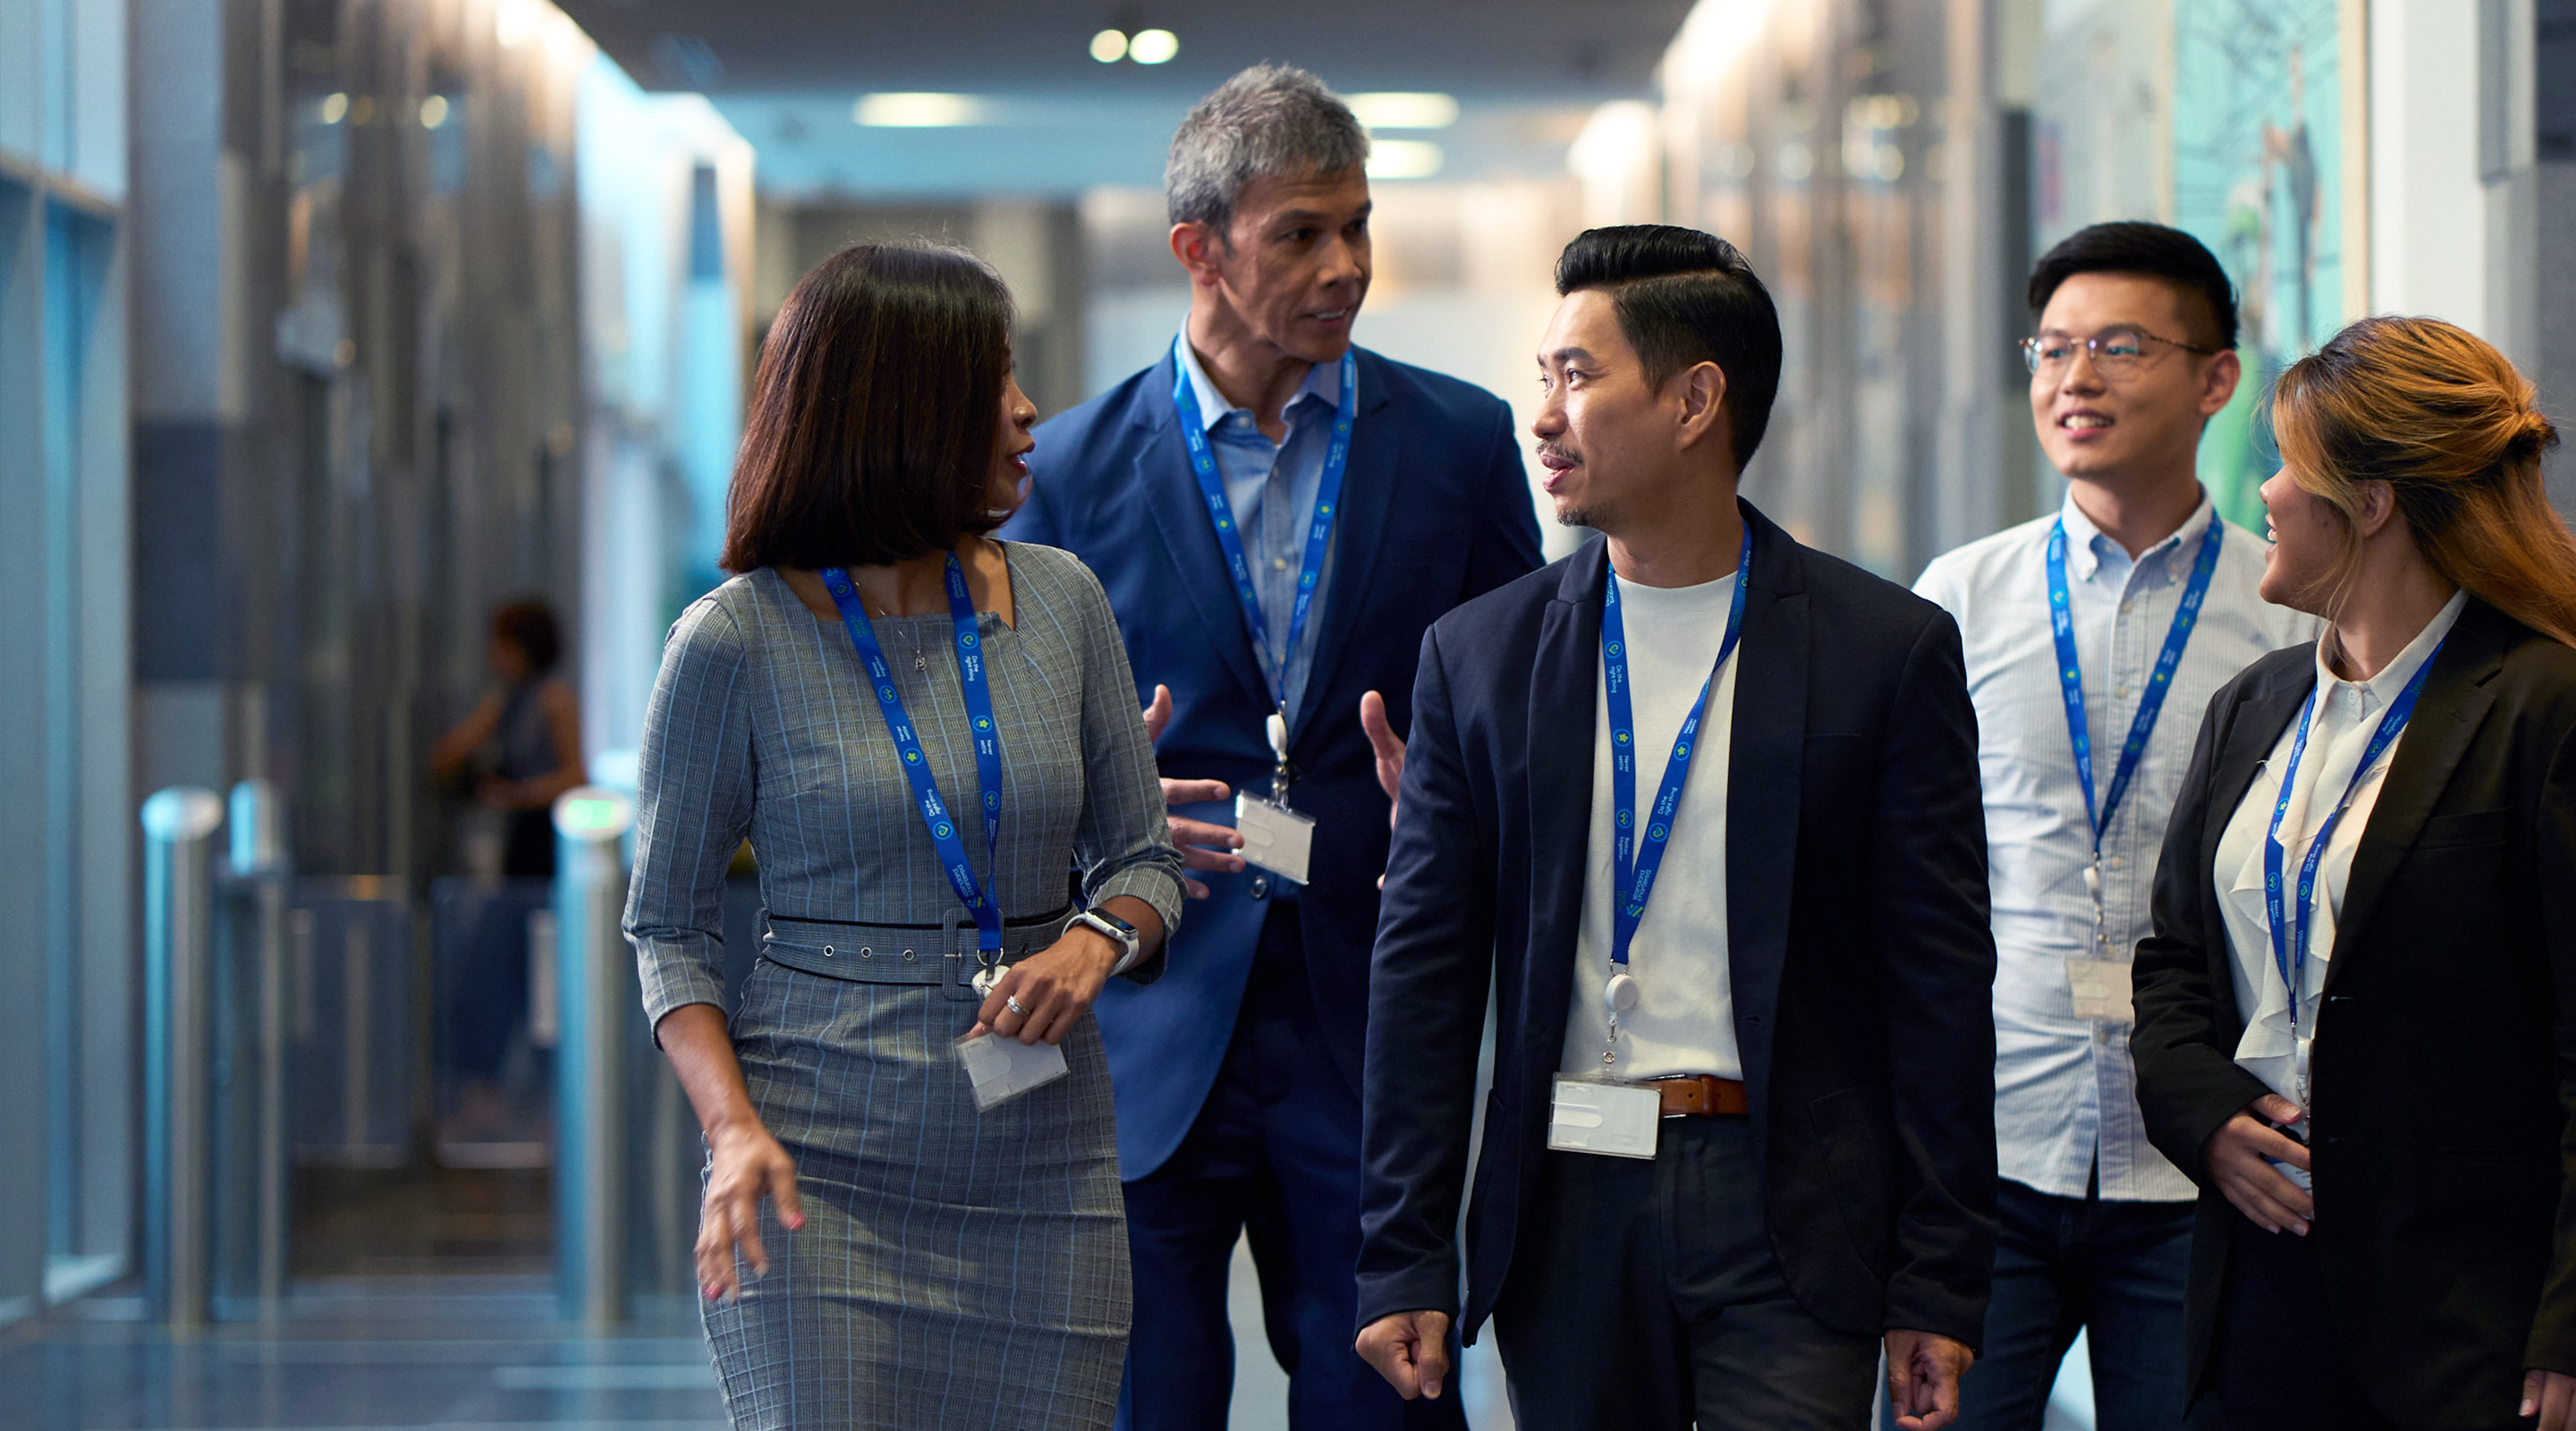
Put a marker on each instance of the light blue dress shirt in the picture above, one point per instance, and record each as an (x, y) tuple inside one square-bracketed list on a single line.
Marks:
[(2065, 1091), (1271, 487)]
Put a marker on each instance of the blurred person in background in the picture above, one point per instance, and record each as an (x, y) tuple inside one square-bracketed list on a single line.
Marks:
[(2094, 637), (2354, 1018), (1277, 515), (921, 730), (531, 728), (517, 751)]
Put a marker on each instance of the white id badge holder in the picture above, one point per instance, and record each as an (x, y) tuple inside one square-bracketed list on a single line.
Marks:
[(1002, 1069), (2101, 989), (1274, 837), (1619, 1120)]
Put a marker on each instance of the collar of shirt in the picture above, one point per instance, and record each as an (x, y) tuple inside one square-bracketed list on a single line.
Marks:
[(2374, 694), (2088, 547), (1323, 382)]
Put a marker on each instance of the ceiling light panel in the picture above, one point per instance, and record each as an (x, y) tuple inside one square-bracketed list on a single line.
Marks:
[(1403, 109), (915, 110)]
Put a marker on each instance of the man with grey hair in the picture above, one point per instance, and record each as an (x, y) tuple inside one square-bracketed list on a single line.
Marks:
[(1240, 501)]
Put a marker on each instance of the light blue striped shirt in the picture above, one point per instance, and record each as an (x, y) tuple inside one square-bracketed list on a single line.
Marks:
[(1271, 487), (2065, 1092)]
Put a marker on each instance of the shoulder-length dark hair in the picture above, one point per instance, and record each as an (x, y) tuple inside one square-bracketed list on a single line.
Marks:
[(874, 418)]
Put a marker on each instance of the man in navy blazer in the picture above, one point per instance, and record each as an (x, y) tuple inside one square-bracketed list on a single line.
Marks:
[(1238, 1073), (1740, 1134)]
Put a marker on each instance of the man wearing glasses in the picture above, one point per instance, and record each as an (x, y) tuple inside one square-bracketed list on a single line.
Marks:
[(2095, 637)]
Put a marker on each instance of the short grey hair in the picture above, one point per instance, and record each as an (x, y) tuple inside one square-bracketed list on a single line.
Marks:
[(1269, 120)]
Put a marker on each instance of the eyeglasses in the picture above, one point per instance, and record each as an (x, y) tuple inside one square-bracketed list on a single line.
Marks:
[(2116, 351)]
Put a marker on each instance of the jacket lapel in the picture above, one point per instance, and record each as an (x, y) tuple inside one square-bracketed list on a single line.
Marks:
[(2454, 703), (1165, 484), (1368, 494), (1563, 690), (1763, 773)]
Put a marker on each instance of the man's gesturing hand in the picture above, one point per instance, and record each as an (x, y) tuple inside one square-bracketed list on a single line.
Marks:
[(1409, 1349), (1923, 1371), (1203, 846), (1390, 749), (2238, 1156)]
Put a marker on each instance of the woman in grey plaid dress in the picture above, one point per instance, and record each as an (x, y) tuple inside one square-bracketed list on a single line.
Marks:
[(875, 1252)]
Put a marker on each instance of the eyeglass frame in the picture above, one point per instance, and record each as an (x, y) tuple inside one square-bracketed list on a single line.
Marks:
[(2093, 349)]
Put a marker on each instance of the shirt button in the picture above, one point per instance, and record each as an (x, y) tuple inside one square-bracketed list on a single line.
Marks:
[(2114, 862), (1279, 563)]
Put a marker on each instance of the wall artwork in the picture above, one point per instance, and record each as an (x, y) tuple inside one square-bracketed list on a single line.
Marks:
[(2257, 175)]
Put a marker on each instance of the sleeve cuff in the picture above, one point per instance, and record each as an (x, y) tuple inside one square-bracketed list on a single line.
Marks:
[(674, 974), (1153, 884)]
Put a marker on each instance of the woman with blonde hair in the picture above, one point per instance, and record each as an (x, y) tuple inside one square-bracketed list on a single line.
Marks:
[(2354, 1014)]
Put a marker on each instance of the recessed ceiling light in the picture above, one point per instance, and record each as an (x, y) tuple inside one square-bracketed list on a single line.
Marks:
[(1153, 47), (433, 111), (1404, 110), (1109, 46), (919, 111), (1404, 159)]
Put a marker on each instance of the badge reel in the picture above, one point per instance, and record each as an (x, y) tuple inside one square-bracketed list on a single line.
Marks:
[(1602, 1114), (1275, 837)]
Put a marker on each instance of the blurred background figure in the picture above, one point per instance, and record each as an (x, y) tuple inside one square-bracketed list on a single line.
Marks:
[(521, 747), (517, 751)]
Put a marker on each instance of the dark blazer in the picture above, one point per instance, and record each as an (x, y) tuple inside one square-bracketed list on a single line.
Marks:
[(1436, 508), (2444, 1066), (1859, 952)]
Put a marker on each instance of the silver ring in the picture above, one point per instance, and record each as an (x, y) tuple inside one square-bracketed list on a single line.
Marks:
[(1012, 1002)]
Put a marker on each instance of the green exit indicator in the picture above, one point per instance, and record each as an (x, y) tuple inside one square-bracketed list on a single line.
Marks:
[(593, 812)]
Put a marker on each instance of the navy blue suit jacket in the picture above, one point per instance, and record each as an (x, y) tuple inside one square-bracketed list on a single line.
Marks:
[(1436, 508), (1858, 948)]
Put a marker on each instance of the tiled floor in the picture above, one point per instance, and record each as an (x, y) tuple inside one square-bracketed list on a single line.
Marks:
[(424, 1302), (467, 1353)]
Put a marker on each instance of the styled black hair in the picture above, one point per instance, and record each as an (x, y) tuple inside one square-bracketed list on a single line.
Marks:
[(872, 423), (2150, 251), (1684, 298)]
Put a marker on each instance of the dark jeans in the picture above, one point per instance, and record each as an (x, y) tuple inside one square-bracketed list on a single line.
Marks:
[(1644, 1296), (1274, 1156), (2064, 1264)]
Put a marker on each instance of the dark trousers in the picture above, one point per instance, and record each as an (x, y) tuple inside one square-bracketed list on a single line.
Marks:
[(1274, 1155), (2064, 1264), (2278, 1365), (1644, 1296)]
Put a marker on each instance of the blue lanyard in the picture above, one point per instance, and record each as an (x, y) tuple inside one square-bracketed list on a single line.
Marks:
[(2288, 954), (907, 742), (1319, 529), (2070, 674), (1634, 866)]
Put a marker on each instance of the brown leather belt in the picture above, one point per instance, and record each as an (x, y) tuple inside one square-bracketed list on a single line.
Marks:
[(1702, 1095)]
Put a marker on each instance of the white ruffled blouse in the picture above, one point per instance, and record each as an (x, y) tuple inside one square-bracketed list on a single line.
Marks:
[(2347, 715)]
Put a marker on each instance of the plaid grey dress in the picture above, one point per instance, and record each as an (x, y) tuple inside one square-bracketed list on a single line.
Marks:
[(955, 1269)]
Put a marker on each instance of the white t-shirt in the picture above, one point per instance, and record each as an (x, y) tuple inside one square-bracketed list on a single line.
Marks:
[(1684, 1021)]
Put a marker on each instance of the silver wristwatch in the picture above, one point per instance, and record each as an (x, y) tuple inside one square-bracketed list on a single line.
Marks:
[(1120, 930)]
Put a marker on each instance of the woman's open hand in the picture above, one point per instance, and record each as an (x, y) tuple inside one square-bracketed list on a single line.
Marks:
[(745, 1164)]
